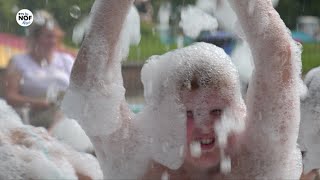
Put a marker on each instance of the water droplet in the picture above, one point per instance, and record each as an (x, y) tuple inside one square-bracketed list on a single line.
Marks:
[(75, 11), (225, 165), (43, 63), (25, 114), (15, 9), (52, 93), (195, 149), (165, 176), (21, 81)]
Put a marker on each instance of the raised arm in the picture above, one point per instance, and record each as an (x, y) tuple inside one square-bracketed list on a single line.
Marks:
[(99, 57), (275, 82), (268, 38), (273, 94), (96, 92)]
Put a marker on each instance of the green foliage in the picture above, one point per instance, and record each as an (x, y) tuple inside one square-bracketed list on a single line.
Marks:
[(289, 10), (8, 17), (60, 9), (149, 45), (175, 5), (310, 56)]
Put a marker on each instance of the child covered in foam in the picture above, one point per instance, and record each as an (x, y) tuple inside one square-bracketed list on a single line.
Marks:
[(195, 124)]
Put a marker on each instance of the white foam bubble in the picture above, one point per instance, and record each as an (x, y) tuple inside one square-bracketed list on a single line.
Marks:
[(309, 137), (8, 117), (226, 17), (164, 14), (31, 153), (241, 56), (195, 149), (70, 132), (130, 34), (225, 165), (165, 176), (75, 11), (80, 29), (194, 20), (90, 109)]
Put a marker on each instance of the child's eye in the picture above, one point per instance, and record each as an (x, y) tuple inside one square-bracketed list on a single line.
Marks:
[(189, 114), (216, 112)]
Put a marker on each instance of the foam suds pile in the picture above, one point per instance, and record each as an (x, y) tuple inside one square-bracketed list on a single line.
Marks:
[(194, 20), (309, 137), (31, 153)]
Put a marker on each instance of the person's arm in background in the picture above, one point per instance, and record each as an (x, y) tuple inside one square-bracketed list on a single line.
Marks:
[(13, 95), (273, 99)]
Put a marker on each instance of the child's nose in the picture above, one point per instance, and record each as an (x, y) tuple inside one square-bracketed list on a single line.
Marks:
[(203, 120)]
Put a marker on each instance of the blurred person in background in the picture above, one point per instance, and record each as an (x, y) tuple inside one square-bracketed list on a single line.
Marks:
[(35, 80)]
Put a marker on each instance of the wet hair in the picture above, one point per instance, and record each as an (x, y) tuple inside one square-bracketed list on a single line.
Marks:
[(42, 19)]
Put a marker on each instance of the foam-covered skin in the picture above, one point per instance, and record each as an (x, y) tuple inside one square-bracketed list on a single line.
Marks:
[(96, 94), (98, 85), (273, 98)]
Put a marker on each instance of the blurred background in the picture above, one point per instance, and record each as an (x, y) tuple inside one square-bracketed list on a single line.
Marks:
[(160, 32)]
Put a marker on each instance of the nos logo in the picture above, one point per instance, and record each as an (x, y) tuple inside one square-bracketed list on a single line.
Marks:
[(24, 17)]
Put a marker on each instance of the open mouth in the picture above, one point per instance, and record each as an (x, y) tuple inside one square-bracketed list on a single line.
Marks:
[(207, 143), (201, 145)]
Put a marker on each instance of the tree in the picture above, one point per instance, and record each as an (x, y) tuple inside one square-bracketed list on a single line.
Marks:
[(60, 9), (289, 10)]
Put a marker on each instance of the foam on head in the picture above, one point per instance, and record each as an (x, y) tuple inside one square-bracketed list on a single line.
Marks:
[(201, 65), (174, 71)]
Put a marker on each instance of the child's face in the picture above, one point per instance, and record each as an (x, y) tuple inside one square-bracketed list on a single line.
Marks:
[(204, 108)]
